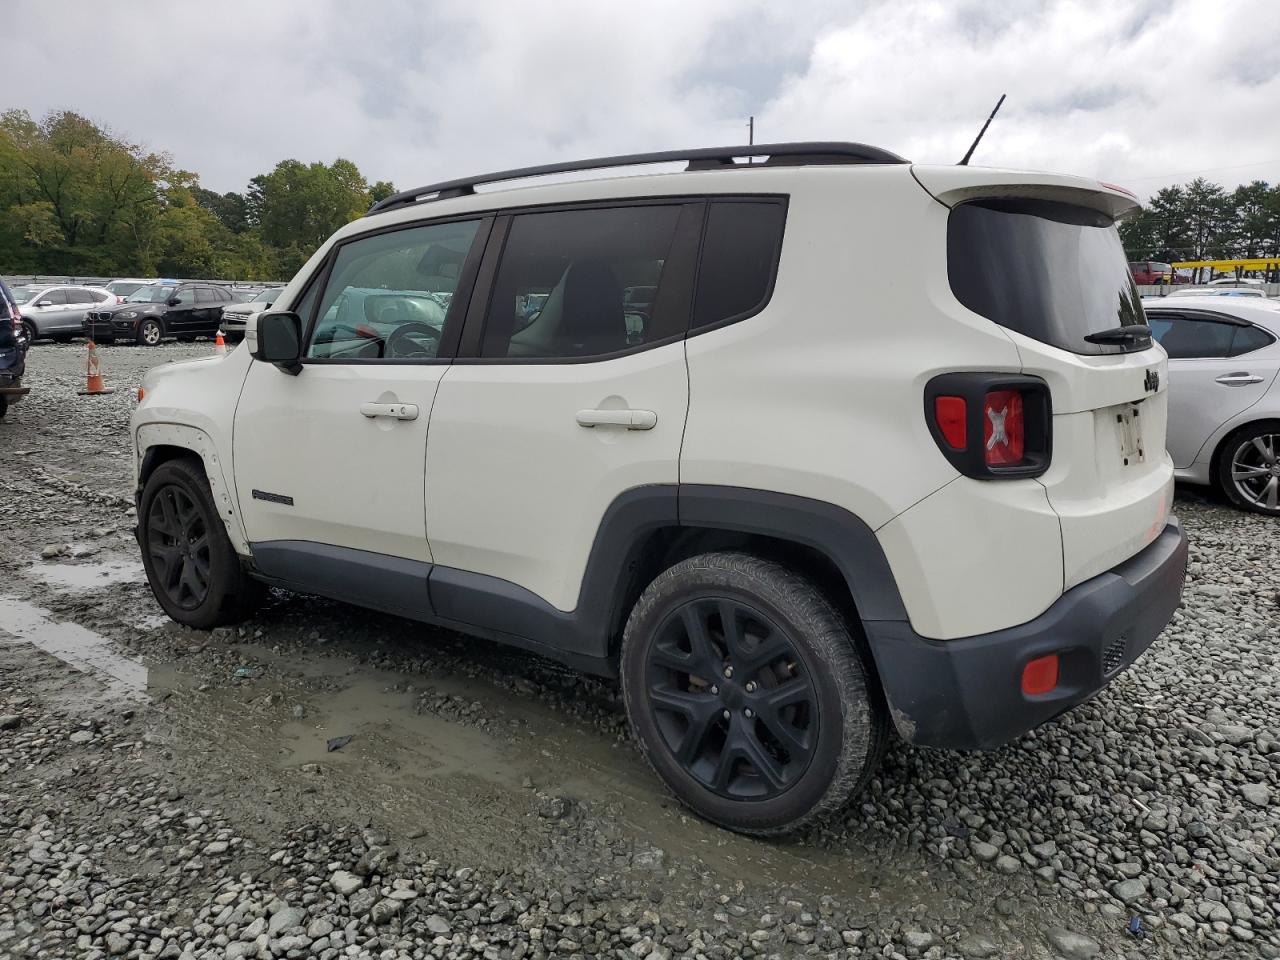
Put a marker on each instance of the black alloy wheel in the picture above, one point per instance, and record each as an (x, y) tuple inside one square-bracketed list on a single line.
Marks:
[(178, 542), (750, 693), (732, 699)]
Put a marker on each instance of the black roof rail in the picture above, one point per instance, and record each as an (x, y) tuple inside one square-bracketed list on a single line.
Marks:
[(700, 158)]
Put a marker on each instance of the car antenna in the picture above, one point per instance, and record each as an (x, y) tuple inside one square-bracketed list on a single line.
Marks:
[(973, 146)]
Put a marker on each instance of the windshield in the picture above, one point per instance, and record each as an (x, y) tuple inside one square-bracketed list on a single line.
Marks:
[(1054, 272), (267, 296), (25, 294), (122, 288), (152, 294)]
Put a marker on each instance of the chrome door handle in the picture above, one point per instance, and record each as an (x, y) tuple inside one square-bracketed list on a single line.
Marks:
[(1242, 379), (396, 411), (631, 419)]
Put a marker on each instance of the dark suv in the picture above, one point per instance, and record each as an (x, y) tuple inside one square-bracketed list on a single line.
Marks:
[(182, 310)]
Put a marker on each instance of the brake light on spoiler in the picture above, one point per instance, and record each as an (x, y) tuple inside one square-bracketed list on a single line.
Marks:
[(991, 426)]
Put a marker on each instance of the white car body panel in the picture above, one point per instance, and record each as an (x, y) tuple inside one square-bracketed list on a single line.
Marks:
[(516, 487)]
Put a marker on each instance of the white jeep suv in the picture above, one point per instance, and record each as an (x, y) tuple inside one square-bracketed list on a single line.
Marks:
[(802, 450)]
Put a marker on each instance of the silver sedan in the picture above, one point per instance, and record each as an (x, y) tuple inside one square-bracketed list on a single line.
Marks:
[(55, 311), (1224, 396)]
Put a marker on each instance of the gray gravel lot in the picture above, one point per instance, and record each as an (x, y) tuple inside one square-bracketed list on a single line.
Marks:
[(168, 793)]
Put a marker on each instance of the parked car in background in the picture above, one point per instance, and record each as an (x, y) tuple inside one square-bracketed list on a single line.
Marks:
[(956, 523), (13, 351), (1256, 292), (1224, 399), (125, 288), (57, 312), (235, 314), (182, 310), (1148, 272), (1236, 282)]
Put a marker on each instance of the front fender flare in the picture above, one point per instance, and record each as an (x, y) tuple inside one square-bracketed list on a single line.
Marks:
[(152, 436)]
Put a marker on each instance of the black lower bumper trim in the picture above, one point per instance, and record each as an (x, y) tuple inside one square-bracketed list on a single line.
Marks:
[(967, 693)]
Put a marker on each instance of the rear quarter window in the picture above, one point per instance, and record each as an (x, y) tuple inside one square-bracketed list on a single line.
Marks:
[(739, 259)]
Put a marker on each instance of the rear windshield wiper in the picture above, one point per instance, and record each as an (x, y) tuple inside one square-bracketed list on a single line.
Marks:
[(1122, 336)]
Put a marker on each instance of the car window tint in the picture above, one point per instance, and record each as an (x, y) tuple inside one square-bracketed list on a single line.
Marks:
[(75, 295), (1248, 339), (186, 296), (388, 295), (579, 283), (99, 296), (53, 297), (1186, 338), (739, 258)]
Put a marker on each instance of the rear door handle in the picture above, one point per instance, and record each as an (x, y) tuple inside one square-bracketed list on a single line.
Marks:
[(396, 411), (631, 419), (1242, 379)]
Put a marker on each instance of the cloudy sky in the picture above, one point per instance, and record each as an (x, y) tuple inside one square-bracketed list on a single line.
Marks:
[(1139, 93)]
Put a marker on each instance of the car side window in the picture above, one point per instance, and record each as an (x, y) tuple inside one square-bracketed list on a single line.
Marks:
[(1248, 339), (186, 296), (1188, 338), (579, 283), (75, 295), (388, 295), (100, 296), (53, 297), (739, 260)]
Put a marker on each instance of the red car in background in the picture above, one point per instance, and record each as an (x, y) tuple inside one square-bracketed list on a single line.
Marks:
[(1150, 272)]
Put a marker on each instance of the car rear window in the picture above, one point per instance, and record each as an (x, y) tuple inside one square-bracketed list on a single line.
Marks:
[(1054, 272)]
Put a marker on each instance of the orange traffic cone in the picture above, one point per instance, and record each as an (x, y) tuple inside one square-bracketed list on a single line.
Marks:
[(219, 345), (94, 385)]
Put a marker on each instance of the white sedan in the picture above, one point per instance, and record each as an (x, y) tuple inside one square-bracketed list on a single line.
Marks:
[(1224, 399)]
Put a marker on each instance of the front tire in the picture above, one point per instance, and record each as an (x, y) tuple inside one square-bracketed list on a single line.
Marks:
[(748, 695), (1247, 468), (150, 332), (192, 568)]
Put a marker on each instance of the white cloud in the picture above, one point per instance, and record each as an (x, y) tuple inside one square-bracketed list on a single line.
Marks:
[(415, 92)]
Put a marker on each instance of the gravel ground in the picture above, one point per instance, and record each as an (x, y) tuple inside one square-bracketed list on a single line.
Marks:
[(170, 793)]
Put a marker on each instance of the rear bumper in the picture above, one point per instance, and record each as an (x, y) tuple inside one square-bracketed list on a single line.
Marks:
[(967, 694)]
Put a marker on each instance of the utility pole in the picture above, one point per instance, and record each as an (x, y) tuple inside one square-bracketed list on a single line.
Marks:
[(751, 135)]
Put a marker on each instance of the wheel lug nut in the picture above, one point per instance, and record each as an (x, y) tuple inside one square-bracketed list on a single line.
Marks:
[(714, 690), (728, 672), (748, 713), (725, 714), (751, 686)]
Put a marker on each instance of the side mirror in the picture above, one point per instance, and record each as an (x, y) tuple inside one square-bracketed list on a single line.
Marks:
[(45, 303), (174, 301), (279, 340)]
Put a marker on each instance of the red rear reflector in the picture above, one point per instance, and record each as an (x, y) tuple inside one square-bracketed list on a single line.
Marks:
[(950, 414), (1040, 675), (1003, 428)]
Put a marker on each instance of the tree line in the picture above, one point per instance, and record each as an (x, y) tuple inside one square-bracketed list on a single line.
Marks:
[(1203, 221), (77, 200)]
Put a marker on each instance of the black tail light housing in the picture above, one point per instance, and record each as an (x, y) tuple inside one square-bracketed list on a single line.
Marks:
[(991, 426)]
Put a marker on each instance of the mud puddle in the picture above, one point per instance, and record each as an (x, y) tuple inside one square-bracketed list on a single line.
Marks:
[(88, 652), (88, 576), (484, 785)]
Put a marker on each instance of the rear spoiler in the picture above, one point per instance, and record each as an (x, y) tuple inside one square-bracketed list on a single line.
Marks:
[(953, 185)]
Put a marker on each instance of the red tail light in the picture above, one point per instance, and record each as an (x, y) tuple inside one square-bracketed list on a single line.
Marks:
[(950, 414), (991, 426), (1004, 435)]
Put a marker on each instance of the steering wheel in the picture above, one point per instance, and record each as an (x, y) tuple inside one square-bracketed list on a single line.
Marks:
[(401, 343)]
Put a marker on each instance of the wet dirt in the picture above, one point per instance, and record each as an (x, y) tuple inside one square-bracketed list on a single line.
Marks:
[(472, 752)]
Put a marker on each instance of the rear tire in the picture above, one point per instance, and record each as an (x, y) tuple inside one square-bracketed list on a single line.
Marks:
[(763, 728), (1247, 468), (193, 570), (31, 331)]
